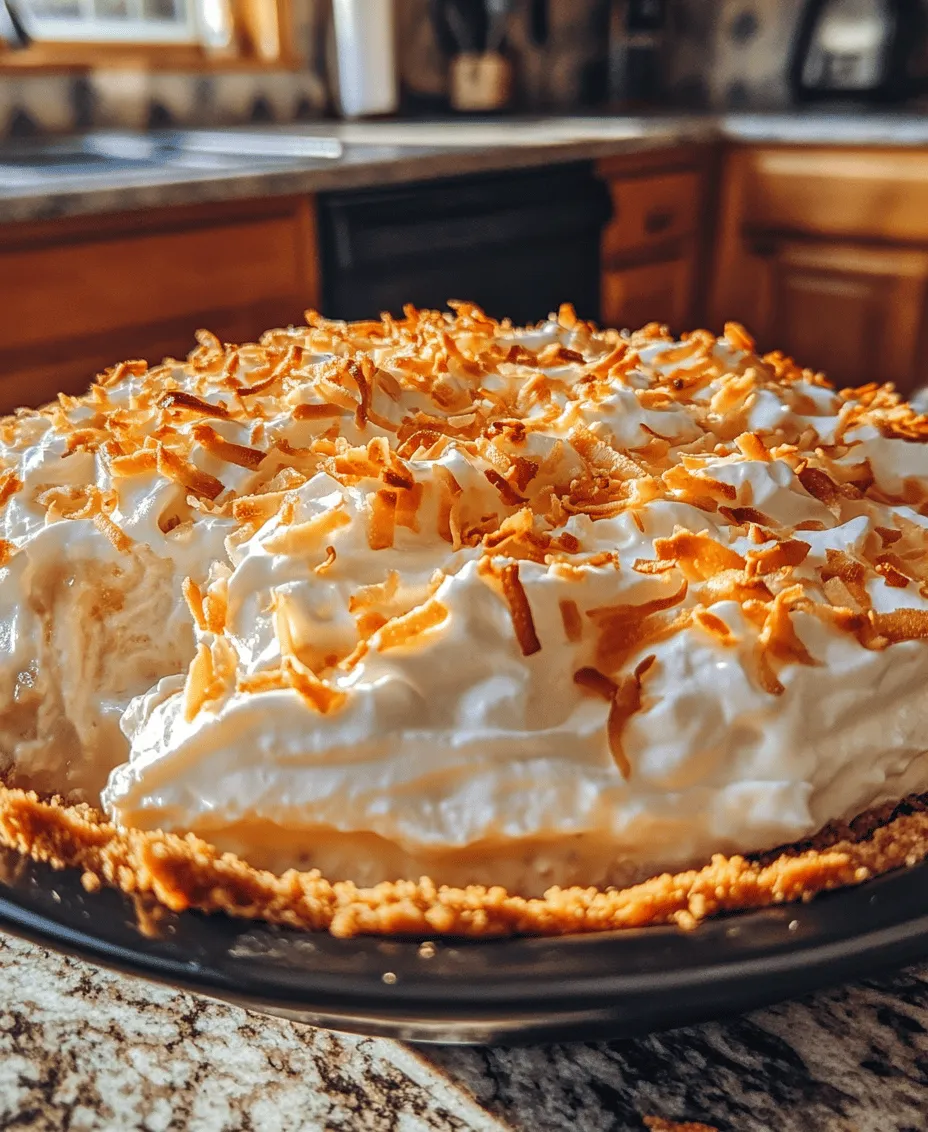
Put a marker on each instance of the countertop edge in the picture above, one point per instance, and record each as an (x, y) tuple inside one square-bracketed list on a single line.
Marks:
[(371, 165)]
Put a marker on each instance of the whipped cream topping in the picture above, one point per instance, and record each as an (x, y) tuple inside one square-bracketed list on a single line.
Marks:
[(499, 605)]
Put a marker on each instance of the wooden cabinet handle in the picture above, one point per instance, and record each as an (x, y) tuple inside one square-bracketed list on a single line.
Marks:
[(658, 221), (763, 248)]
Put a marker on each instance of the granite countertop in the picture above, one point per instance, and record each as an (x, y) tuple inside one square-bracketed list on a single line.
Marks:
[(384, 153), (89, 1050)]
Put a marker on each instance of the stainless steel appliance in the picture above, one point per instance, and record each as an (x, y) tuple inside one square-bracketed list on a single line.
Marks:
[(864, 49)]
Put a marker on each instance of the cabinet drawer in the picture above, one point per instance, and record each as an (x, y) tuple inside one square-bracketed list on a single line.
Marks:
[(651, 292), (863, 194), (650, 211)]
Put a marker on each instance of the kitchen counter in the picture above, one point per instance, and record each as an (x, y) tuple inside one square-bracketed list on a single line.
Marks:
[(84, 1048), (389, 153)]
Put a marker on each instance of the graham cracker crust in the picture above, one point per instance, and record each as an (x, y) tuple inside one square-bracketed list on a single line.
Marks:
[(184, 872)]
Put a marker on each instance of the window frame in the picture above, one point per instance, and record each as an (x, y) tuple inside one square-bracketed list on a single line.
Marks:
[(90, 28), (44, 56)]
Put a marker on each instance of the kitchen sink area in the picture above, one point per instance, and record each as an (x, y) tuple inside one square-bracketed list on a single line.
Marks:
[(122, 155), (120, 170), (108, 155)]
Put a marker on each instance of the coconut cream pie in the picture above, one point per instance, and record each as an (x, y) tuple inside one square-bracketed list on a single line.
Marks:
[(533, 615)]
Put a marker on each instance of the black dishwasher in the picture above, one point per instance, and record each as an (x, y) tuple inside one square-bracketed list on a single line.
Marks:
[(518, 243)]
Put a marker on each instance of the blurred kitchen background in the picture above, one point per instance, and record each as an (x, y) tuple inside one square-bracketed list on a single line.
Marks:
[(170, 164), (157, 63)]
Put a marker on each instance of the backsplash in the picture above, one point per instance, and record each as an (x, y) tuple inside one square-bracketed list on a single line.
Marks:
[(730, 54), (721, 54), (138, 98)]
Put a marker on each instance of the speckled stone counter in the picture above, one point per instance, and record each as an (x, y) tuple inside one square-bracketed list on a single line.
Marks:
[(84, 1049), (390, 153)]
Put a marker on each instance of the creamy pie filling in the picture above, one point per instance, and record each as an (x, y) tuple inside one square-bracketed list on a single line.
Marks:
[(439, 595)]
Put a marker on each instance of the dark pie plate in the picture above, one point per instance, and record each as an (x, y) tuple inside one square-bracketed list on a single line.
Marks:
[(504, 991)]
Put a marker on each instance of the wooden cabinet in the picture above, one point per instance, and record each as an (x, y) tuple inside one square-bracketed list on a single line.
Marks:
[(850, 310), (649, 292), (824, 254), (657, 235), (79, 294)]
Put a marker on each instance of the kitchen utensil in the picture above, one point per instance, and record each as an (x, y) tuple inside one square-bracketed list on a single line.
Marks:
[(460, 26), (480, 81)]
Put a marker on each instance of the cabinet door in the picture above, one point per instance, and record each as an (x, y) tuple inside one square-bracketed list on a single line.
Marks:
[(853, 312), (651, 292), (82, 293)]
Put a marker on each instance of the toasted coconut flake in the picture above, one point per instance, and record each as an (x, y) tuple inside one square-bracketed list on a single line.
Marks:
[(257, 508), (138, 463), (570, 615), (626, 701), (199, 679), (602, 457), (892, 576), (449, 489), (178, 399), (329, 562), (888, 535), (407, 506), (116, 535), (118, 373), (507, 492), (405, 629), (595, 681), (317, 412), (315, 693), (10, 483), (176, 468), (790, 552), (898, 625), (752, 446), (519, 609), (715, 626), (215, 608), (851, 573), (680, 479), (368, 623), (194, 599), (624, 629), (223, 449), (394, 477), (820, 485), (380, 529), (741, 516), (525, 471), (698, 556), (739, 337), (654, 565), (420, 438), (777, 639), (303, 539), (75, 502), (567, 542), (516, 537), (567, 316)]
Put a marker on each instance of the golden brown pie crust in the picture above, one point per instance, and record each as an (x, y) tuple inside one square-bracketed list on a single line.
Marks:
[(184, 872)]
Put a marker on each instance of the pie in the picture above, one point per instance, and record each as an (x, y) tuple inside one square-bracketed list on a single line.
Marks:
[(439, 624)]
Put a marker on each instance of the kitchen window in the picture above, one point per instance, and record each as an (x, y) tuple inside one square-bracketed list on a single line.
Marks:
[(111, 21), (165, 33)]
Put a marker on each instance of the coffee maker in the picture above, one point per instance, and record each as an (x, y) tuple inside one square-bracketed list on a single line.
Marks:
[(869, 50)]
